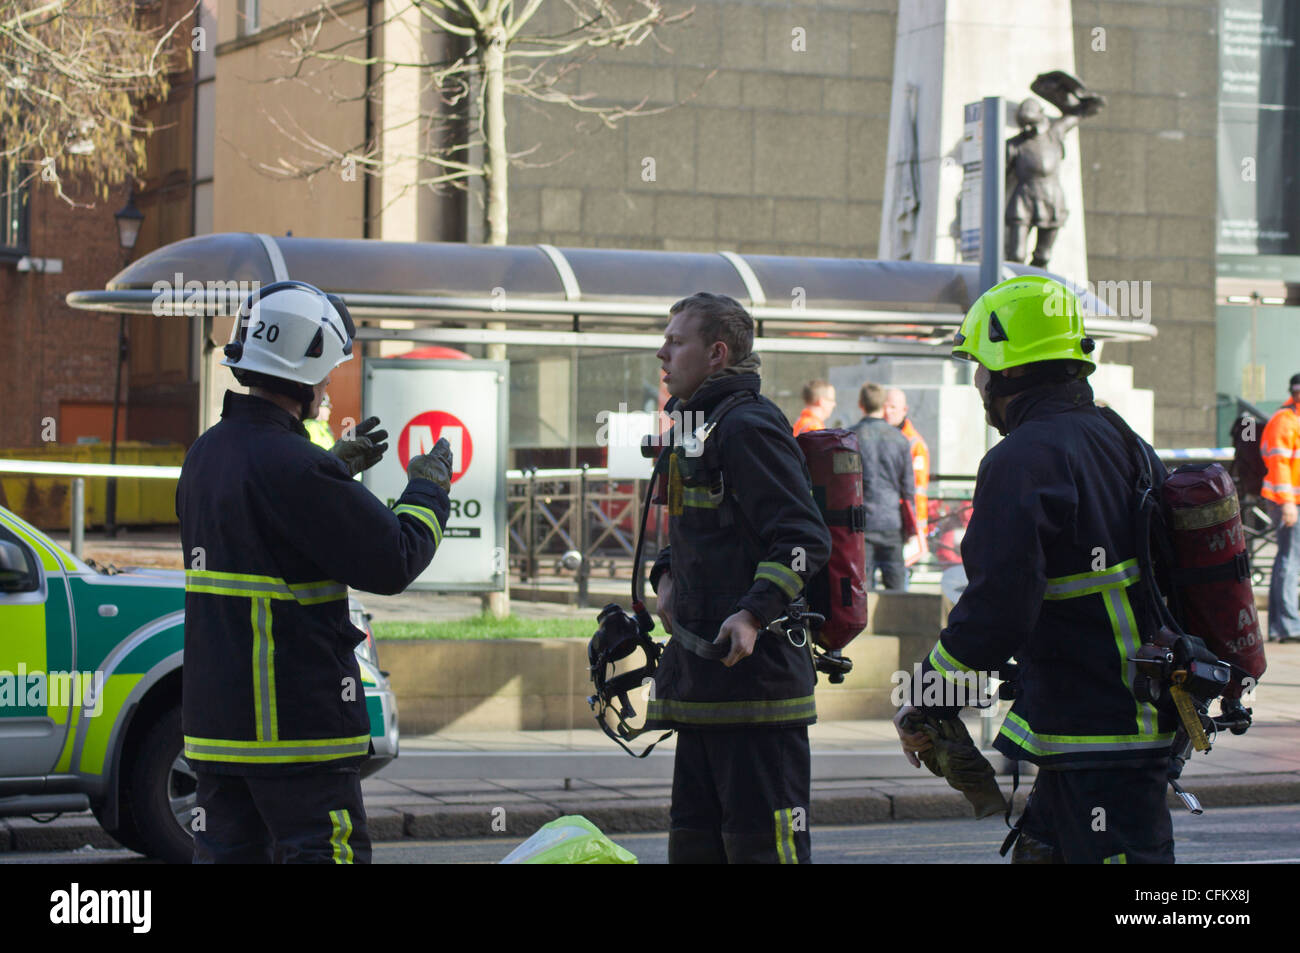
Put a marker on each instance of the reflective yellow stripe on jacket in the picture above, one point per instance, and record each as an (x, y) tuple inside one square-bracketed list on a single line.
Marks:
[(425, 516), (252, 586), (1112, 584), (268, 748)]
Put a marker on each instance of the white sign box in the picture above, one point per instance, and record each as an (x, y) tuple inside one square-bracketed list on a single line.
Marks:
[(623, 440), (418, 402)]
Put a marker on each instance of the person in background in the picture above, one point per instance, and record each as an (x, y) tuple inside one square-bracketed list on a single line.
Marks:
[(886, 481), (318, 427), (1279, 445), (818, 402), (896, 416)]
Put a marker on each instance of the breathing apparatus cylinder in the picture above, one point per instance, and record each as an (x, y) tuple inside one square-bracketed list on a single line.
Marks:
[(1211, 592)]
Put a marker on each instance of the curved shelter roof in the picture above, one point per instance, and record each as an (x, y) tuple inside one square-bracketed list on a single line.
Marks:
[(569, 296)]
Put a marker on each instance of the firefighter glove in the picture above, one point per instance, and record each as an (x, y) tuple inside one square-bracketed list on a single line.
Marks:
[(363, 448), (434, 465), (955, 758)]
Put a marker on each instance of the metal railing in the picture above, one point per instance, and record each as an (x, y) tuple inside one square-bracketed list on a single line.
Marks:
[(577, 520)]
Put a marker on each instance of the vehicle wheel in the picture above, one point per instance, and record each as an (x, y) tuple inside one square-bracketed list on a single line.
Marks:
[(125, 833), (162, 790)]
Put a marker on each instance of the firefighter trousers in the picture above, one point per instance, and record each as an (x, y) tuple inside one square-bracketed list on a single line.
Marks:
[(1113, 815), (312, 818), (740, 796)]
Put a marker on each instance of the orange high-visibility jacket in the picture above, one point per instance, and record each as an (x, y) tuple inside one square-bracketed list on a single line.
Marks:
[(808, 420), (1280, 447), (921, 471)]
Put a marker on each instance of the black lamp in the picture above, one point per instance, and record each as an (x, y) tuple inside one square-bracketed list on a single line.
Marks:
[(129, 219)]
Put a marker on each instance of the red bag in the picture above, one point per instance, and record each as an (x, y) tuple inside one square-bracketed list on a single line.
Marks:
[(907, 513), (1211, 574), (839, 590)]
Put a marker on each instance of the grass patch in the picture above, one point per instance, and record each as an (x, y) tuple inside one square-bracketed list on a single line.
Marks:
[(487, 627)]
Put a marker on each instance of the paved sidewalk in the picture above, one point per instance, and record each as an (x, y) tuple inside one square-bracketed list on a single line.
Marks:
[(508, 783), (860, 777)]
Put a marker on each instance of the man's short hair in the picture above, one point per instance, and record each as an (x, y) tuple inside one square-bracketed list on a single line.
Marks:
[(721, 319), (814, 391), (871, 397)]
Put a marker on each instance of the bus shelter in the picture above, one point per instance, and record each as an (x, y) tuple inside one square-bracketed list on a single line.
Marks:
[(580, 326)]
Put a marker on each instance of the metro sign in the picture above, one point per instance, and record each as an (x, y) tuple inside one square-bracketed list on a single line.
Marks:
[(424, 430)]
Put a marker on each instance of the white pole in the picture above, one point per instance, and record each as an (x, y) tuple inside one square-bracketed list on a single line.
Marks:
[(78, 521)]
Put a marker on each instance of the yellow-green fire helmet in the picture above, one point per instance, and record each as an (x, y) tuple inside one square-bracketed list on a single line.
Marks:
[(1024, 320)]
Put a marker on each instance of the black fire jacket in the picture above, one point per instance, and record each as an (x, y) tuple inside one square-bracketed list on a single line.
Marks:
[(744, 533), (274, 531), (1051, 557)]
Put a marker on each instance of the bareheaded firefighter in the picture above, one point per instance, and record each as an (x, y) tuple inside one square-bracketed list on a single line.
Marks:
[(745, 536), (1051, 557), (274, 530)]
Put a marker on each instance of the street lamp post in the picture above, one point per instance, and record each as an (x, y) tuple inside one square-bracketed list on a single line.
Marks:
[(129, 219)]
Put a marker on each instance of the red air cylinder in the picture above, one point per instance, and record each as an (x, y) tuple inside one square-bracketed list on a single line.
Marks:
[(839, 591), (1212, 577)]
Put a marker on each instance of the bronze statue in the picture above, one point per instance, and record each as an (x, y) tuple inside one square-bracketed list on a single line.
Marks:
[(1035, 199)]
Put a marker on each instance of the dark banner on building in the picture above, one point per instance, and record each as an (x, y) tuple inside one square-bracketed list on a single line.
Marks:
[(1259, 128)]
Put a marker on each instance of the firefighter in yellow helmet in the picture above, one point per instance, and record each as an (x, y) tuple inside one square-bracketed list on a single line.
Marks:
[(1051, 557)]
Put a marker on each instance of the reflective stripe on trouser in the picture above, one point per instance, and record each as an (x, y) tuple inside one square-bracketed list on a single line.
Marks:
[(341, 822), (317, 817), (785, 823)]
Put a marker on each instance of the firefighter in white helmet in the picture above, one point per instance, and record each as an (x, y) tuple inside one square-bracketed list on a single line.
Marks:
[(274, 531)]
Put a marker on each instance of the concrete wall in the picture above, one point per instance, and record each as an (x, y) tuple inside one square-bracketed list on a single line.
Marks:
[(772, 150), (759, 147), (1149, 191), (261, 124), (533, 684)]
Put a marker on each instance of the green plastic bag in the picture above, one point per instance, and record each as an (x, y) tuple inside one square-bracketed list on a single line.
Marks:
[(571, 839)]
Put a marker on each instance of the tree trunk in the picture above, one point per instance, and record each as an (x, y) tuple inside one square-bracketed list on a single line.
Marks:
[(494, 122), (497, 211)]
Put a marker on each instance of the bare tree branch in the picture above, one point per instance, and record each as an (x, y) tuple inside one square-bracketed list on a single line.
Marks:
[(74, 75), (494, 49)]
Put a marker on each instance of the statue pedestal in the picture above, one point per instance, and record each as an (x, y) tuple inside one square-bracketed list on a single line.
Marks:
[(950, 53)]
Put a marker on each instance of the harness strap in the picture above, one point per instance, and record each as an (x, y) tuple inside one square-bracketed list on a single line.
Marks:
[(701, 647)]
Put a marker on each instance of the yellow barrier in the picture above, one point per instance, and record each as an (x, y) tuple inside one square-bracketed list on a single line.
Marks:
[(45, 501)]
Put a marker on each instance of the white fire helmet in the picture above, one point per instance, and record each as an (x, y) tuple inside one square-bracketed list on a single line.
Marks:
[(292, 331)]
